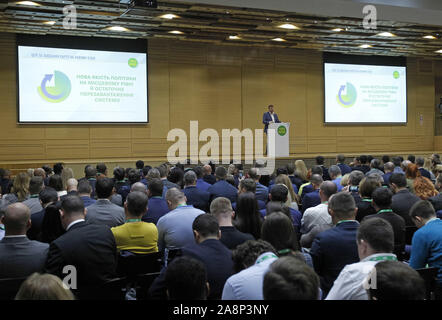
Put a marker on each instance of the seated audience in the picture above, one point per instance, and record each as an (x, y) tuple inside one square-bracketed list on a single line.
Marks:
[(375, 240), (85, 192), (362, 165), (176, 175), (5, 181), (424, 188), (200, 183), (101, 170), (47, 196), (119, 178), (135, 235), (56, 183), (290, 278), (90, 248), (208, 174), (51, 226), (294, 179), (354, 180), (252, 260), (221, 188), (35, 186), (292, 197), (336, 247), (195, 197), (72, 186), (317, 219), (164, 172), (66, 174), (19, 256), (366, 188), (403, 199), (248, 185), (308, 186), (436, 200), (175, 227), (90, 175), (336, 176), (262, 192), (186, 279), (103, 211), (411, 173), (390, 284), (426, 246), (43, 287), (375, 167), (388, 169), (312, 198), (301, 171), (420, 162), (382, 204), (157, 204), (247, 217), (19, 189), (397, 161), (320, 162), (231, 237), (340, 162)]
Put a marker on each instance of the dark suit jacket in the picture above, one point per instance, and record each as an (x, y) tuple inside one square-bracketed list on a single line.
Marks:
[(209, 178), (36, 223), (20, 257), (307, 189), (344, 168), (425, 173), (218, 261), (156, 208), (197, 198), (332, 250), (311, 199), (296, 181), (232, 237), (169, 184), (91, 248), (364, 209), (398, 224), (401, 203), (364, 168), (223, 189), (325, 175), (436, 201), (266, 118)]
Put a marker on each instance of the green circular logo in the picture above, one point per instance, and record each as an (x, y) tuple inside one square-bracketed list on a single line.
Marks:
[(396, 74), (282, 130), (133, 63)]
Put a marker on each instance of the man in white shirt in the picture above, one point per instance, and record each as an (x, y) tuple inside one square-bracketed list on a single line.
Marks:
[(375, 241), (317, 216)]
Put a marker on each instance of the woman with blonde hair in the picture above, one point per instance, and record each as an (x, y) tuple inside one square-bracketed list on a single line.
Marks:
[(301, 170), (66, 174), (424, 188), (292, 197), (20, 188), (43, 287)]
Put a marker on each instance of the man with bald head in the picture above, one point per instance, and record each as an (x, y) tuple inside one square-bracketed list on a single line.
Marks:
[(19, 256), (207, 174), (317, 219), (138, 187)]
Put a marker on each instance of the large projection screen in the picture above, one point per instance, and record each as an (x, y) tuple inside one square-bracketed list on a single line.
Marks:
[(71, 85), (365, 93)]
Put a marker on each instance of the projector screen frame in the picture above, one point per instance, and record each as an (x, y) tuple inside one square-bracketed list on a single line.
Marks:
[(393, 61), (81, 43)]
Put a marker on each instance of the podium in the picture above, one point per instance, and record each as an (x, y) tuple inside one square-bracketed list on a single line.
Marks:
[(279, 138)]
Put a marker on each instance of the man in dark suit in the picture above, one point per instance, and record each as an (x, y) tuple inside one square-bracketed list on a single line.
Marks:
[(248, 185), (195, 197), (362, 165), (90, 175), (388, 169), (402, 199), (222, 188), (84, 192), (200, 183), (19, 256), (336, 247), (90, 248), (157, 205), (312, 199), (207, 175), (382, 204), (340, 162), (269, 117), (104, 211), (163, 169), (436, 201), (46, 196), (420, 164)]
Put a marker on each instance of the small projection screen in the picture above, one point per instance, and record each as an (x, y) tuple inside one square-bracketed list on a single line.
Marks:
[(81, 80), (365, 90)]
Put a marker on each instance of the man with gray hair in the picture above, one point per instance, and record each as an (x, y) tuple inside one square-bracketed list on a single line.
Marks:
[(262, 192), (35, 186), (19, 256), (375, 165), (388, 169), (312, 199), (336, 176), (175, 227), (230, 236), (195, 197)]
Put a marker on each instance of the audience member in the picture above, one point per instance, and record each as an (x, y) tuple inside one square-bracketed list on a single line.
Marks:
[(424, 188), (292, 197), (19, 256), (195, 197), (85, 192), (362, 165), (308, 186), (294, 179), (301, 171), (340, 162), (208, 174), (249, 185), (320, 162), (366, 188), (336, 247), (101, 170), (47, 196), (375, 167), (36, 184), (221, 188), (397, 161), (426, 246), (56, 182), (262, 192), (163, 170), (19, 189), (420, 165), (388, 169), (312, 199), (90, 175), (43, 287), (247, 216), (51, 226), (103, 211), (157, 204), (336, 176), (66, 174), (175, 227), (231, 237), (252, 260), (436, 200), (290, 278), (403, 199), (90, 248), (200, 183)]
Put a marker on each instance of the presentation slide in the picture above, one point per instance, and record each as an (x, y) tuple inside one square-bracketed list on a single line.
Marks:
[(365, 93), (78, 86)]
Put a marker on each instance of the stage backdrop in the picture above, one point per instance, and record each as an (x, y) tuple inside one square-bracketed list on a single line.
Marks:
[(222, 87)]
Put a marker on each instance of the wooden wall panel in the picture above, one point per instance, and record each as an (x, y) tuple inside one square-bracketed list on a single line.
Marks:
[(221, 87)]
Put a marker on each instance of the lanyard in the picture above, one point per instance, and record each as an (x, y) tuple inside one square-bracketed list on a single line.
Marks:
[(284, 251), (385, 210), (366, 200), (384, 258), (345, 221), (133, 220), (157, 197), (325, 202), (265, 257), (182, 205), (33, 196)]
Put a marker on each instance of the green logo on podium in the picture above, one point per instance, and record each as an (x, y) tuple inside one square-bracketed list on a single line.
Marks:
[(282, 130)]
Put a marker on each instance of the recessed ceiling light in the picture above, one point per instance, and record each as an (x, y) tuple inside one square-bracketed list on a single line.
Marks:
[(117, 28), (28, 3), (278, 39), (51, 23), (234, 37), (429, 37), (337, 29), (176, 32), (438, 51), (288, 26), (386, 34), (169, 16), (365, 46)]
